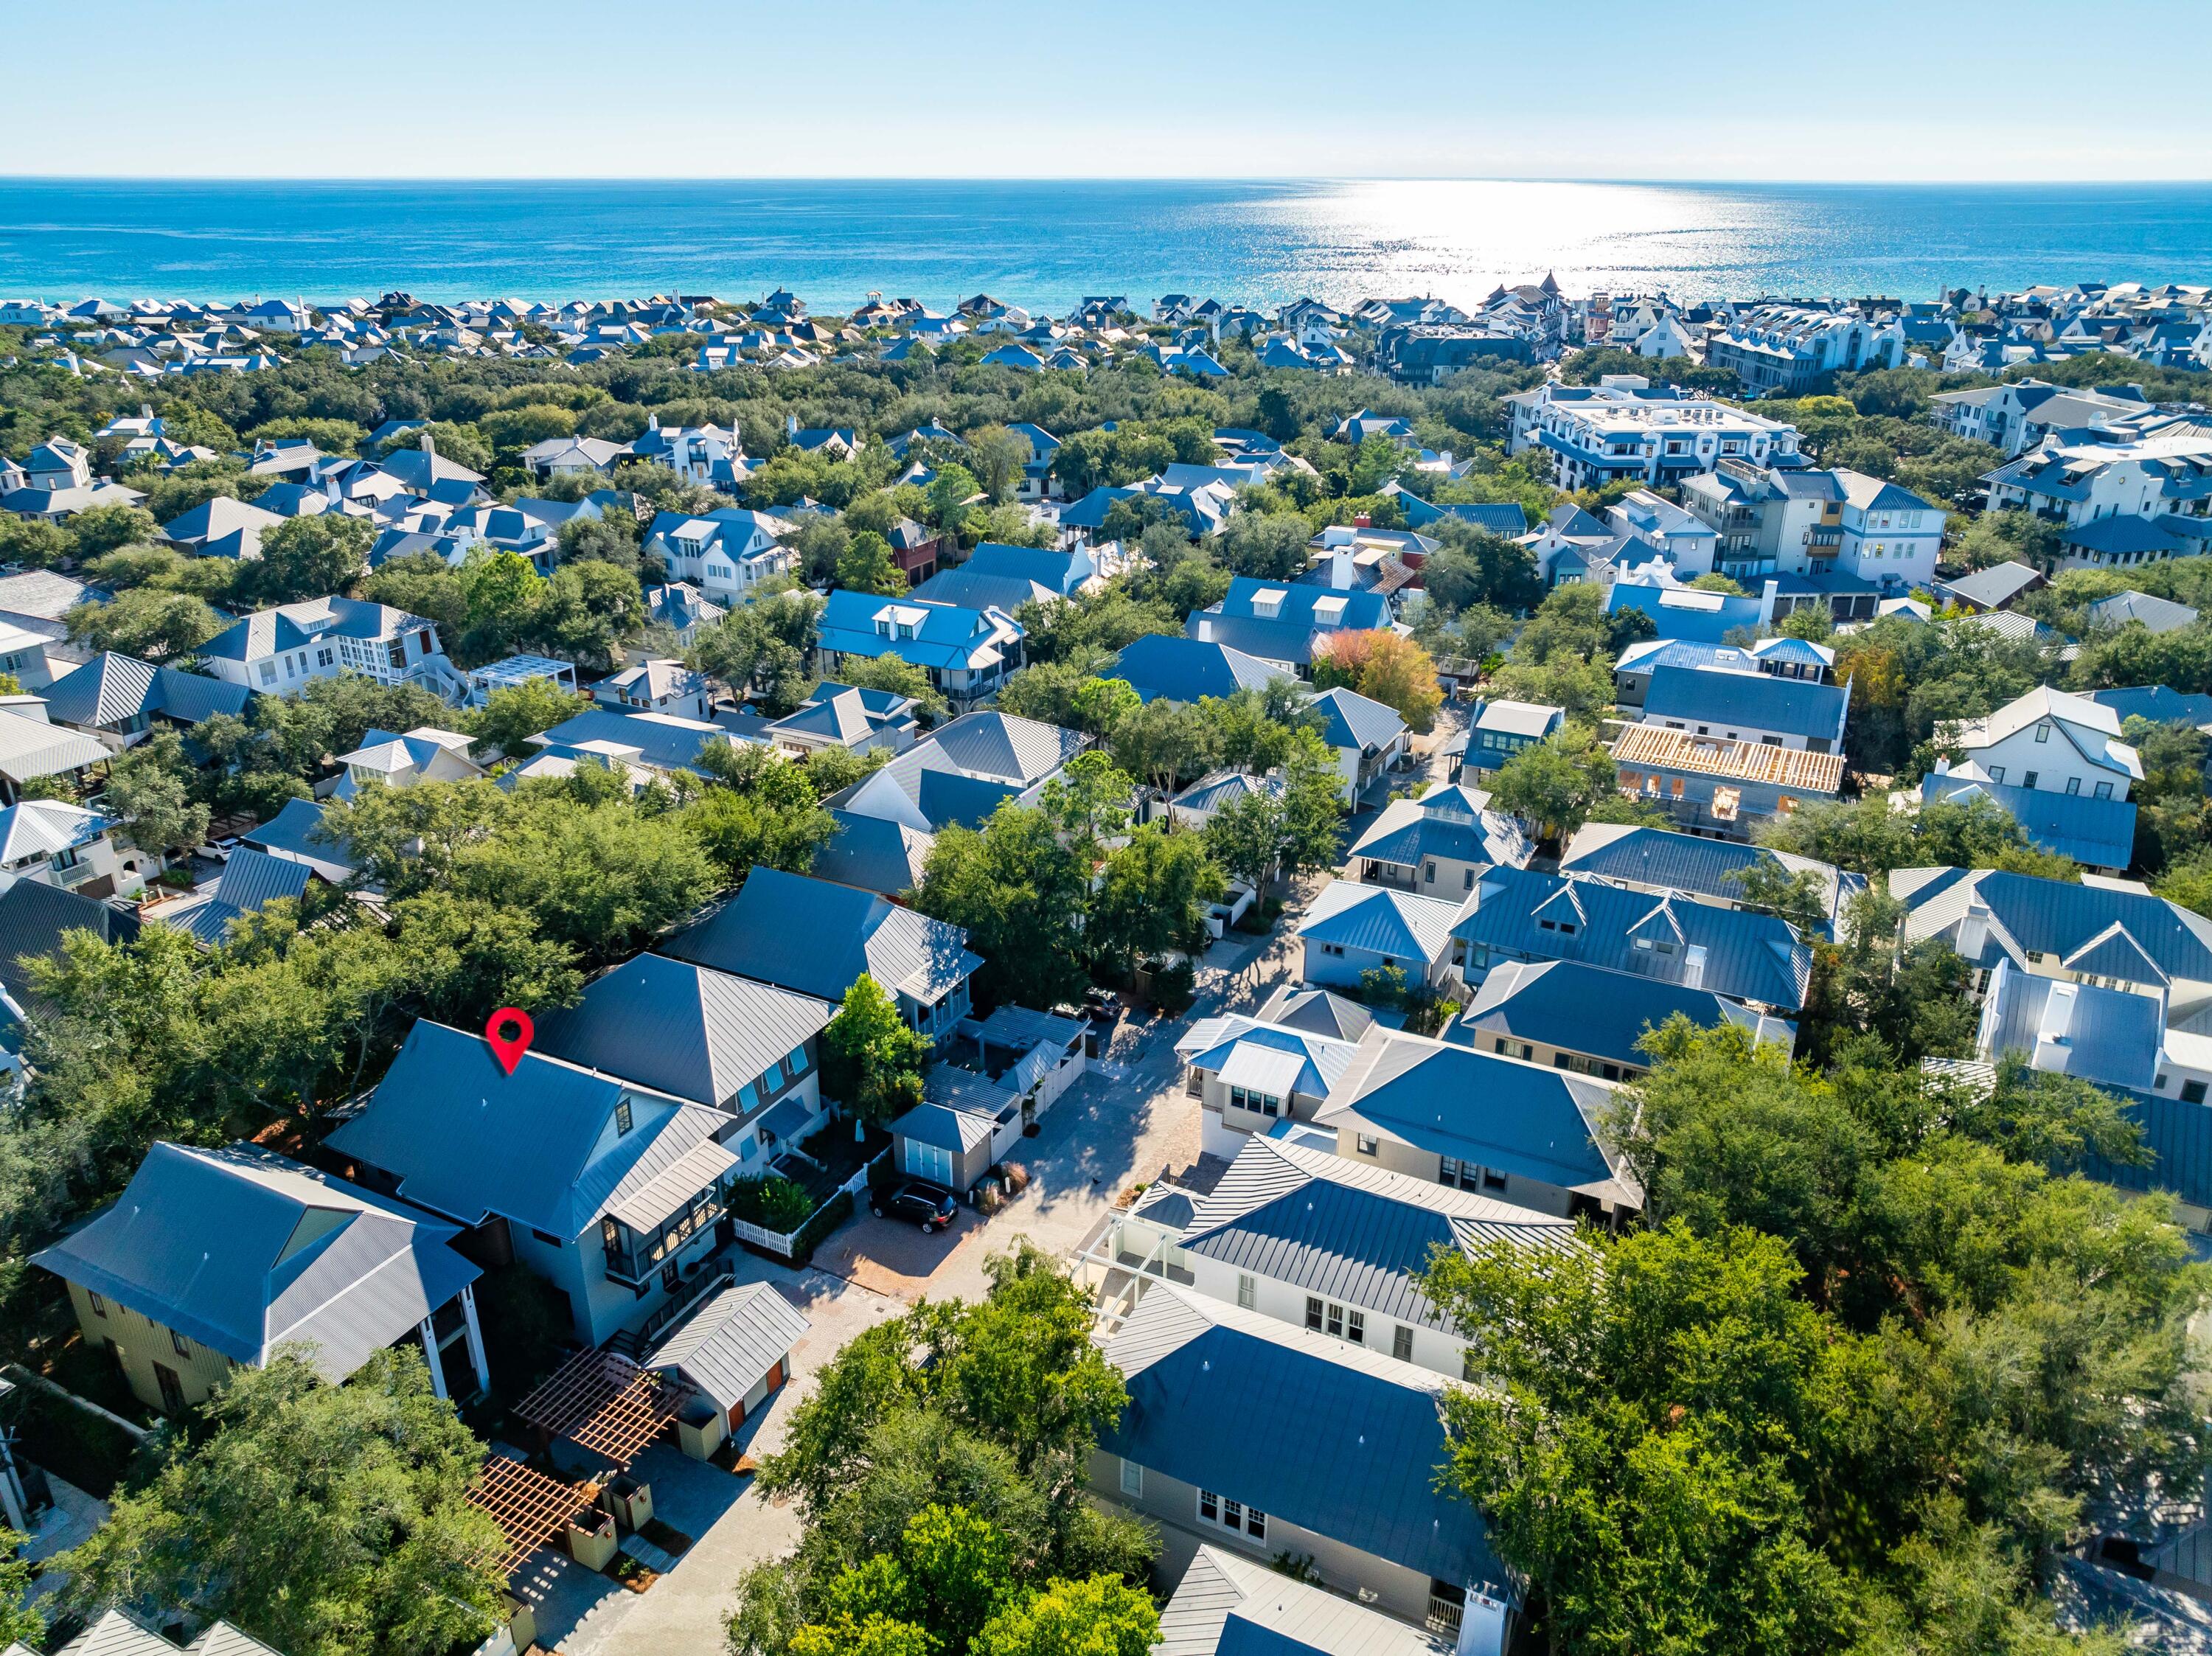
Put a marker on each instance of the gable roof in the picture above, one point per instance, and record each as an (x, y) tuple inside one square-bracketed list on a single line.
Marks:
[(1380, 920), (2101, 833), (730, 1342), (1370, 1437), (1180, 669), (251, 880), (1748, 955), (1528, 1119), (245, 1250), (32, 828), (1751, 701), (666, 742), (1360, 1234), (2033, 916), (1661, 859), (681, 1029), (34, 916), (1316, 1011), (1446, 823), (1228, 1605), (817, 938), (1272, 1057), (1587, 1009), (467, 1140)]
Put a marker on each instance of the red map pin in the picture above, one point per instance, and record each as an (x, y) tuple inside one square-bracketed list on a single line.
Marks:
[(509, 1031)]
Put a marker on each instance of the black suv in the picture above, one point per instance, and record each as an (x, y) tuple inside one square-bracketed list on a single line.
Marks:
[(927, 1204)]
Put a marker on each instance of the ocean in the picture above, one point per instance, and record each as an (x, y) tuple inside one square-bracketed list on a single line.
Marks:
[(1046, 244)]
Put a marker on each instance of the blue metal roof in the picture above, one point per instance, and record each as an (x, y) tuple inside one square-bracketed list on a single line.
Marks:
[(1748, 956), (1586, 1008), (2098, 832), (2056, 917), (1747, 701), (1661, 858), (1690, 616), (817, 937), (1352, 720), (2158, 702), (1368, 1439)]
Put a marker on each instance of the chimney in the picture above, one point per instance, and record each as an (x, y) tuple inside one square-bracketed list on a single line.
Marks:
[(145, 410), (1340, 570), (428, 447), (2053, 1045), (1363, 521), (652, 423), (1205, 630), (791, 425), (1974, 929)]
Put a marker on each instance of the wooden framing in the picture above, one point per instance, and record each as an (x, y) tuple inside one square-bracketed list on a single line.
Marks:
[(530, 1508), (602, 1401)]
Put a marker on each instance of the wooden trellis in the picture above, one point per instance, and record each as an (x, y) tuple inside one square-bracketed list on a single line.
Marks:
[(602, 1401), (530, 1508)]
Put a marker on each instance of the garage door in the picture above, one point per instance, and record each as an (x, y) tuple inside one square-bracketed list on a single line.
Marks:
[(928, 1161)]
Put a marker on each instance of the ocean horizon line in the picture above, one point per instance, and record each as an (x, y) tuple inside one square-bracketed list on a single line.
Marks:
[(1225, 180)]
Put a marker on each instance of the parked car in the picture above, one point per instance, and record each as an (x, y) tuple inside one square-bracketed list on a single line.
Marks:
[(916, 1199), (1104, 1005)]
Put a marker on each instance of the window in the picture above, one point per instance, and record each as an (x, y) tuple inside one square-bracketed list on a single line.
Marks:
[(1401, 1343), (177, 1342), (2043, 733), (1231, 1515), (1996, 773), (611, 1237), (1492, 1179), (1246, 1291), (2028, 780), (326, 657), (2192, 1092), (1133, 1479), (796, 1063), (2073, 785), (1332, 949), (623, 1119), (268, 672), (1313, 1312), (98, 1305), (1366, 1143)]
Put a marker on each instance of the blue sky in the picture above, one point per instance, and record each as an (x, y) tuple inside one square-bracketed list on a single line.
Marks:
[(1874, 91)]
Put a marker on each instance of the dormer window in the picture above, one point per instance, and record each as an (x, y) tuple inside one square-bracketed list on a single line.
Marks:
[(625, 1120)]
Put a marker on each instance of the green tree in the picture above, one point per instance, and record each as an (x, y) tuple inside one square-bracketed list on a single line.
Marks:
[(151, 624), (1163, 744), (309, 557), (1020, 892), (149, 793), (33, 542), (999, 458), (103, 528), (22, 1622), (1246, 835), (872, 1057), (1554, 784), (1096, 1617), (1152, 897), (865, 566), (511, 716), (323, 1519)]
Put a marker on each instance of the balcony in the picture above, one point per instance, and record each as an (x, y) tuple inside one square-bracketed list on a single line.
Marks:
[(638, 1246)]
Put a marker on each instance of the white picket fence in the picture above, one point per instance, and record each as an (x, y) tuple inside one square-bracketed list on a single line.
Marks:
[(783, 1243)]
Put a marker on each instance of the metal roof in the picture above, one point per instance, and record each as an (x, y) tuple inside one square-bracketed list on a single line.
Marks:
[(244, 1251), (1369, 1440), (1349, 719), (538, 1147), (945, 1125), (873, 852), (1410, 831), (2108, 1036), (32, 828), (1748, 955), (250, 881), (1660, 859), (295, 832), (1380, 921), (817, 937), (2031, 915), (727, 1346), (1360, 1234), (118, 1633), (1749, 699), (1158, 666), (1316, 1011), (33, 918), (30, 749), (1228, 1605), (2101, 833), (683, 1029), (1586, 1008), (1523, 1118)]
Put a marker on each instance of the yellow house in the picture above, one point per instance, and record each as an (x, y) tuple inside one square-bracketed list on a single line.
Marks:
[(212, 1259)]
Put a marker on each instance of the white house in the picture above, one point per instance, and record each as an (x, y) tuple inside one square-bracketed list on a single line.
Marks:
[(729, 554), (2047, 740), (277, 650)]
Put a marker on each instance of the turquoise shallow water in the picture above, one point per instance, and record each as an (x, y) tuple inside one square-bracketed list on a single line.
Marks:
[(1047, 243)]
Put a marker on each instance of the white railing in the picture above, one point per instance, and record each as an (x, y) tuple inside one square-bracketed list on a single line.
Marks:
[(784, 1243)]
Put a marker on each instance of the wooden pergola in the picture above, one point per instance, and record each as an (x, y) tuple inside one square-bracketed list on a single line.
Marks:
[(530, 1508), (603, 1402)]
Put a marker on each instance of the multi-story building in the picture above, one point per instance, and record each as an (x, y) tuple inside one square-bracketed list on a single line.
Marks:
[(1787, 522), (729, 554), (2128, 501), (1784, 348), (1627, 427), (278, 650), (2019, 417)]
